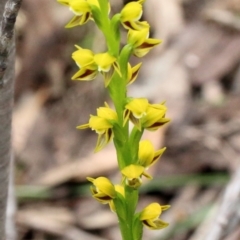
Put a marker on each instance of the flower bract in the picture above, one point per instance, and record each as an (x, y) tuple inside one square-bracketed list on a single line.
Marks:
[(102, 189), (150, 216)]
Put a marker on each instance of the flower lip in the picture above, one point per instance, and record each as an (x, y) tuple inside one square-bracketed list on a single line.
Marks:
[(104, 61), (132, 171)]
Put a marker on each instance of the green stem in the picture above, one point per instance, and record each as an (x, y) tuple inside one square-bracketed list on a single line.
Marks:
[(123, 143)]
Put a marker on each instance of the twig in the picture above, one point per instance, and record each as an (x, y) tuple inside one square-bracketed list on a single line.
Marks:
[(228, 217), (224, 18), (6, 34)]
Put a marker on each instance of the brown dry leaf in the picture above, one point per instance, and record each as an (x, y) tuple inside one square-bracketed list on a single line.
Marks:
[(24, 117), (94, 165), (160, 12), (54, 220)]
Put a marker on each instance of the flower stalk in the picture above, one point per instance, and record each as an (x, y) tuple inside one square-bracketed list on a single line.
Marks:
[(134, 155)]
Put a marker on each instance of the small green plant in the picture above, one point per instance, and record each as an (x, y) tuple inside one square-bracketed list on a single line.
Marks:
[(134, 155)]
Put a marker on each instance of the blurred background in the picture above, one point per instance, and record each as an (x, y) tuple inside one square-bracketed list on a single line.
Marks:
[(196, 70)]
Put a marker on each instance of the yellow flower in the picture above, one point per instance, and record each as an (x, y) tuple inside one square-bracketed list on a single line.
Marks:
[(135, 110), (155, 117), (147, 155), (150, 216), (133, 73), (140, 42), (106, 65), (81, 10), (84, 59), (145, 115), (102, 189), (130, 15), (91, 64), (102, 124), (132, 175)]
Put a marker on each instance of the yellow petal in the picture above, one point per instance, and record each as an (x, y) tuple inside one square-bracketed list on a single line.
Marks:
[(137, 38), (120, 189), (157, 155), (75, 21), (64, 2), (145, 47), (99, 124), (83, 57), (85, 74), (145, 153), (104, 61), (135, 25), (156, 224), (107, 113), (132, 171), (133, 73), (152, 211), (94, 3), (79, 7), (84, 126), (138, 107), (103, 140), (131, 11), (104, 185), (103, 190), (155, 117)]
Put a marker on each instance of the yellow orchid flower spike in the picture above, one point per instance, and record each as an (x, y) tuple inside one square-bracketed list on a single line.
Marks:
[(134, 156), (102, 189), (140, 42)]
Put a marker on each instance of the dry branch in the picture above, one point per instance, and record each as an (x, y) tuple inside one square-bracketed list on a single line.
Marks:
[(8, 16), (6, 34), (228, 218)]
